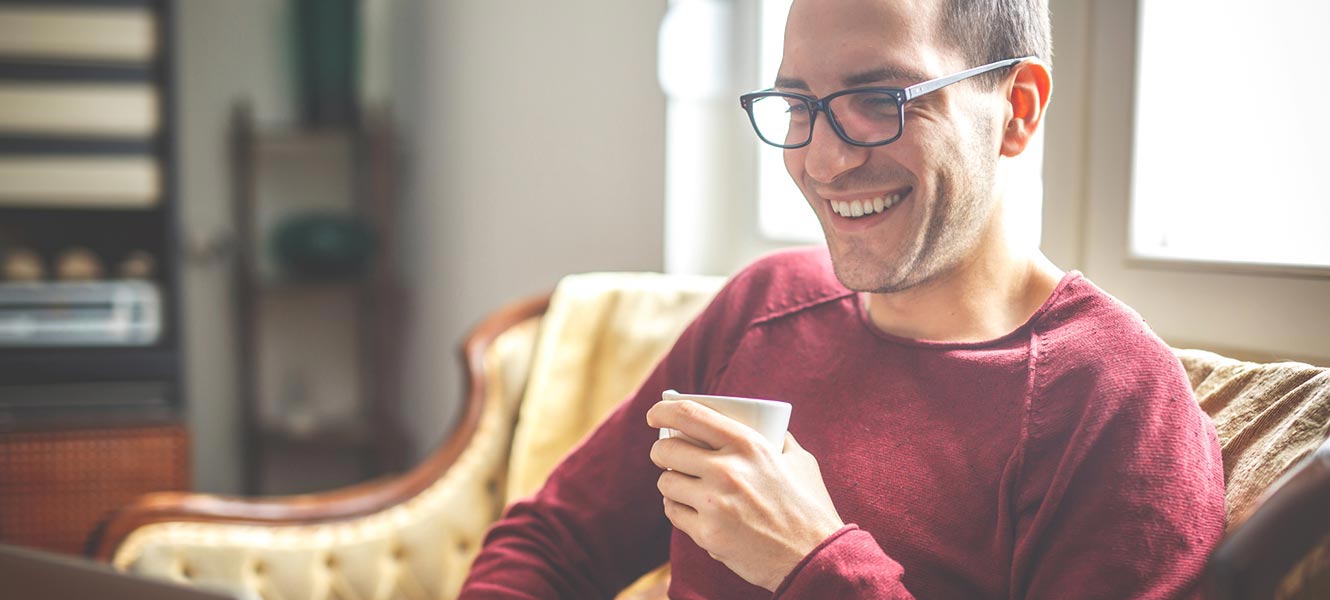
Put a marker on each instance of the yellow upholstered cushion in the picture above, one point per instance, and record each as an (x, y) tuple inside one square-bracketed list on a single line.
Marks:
[(601, 336)]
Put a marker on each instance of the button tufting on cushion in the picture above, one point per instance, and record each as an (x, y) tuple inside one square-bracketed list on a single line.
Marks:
[(365, 557)]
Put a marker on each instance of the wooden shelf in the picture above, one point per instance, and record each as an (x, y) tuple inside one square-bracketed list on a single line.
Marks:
[(334, 340)]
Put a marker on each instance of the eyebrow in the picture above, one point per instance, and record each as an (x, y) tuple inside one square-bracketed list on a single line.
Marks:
[(883, 74), (858, 79)]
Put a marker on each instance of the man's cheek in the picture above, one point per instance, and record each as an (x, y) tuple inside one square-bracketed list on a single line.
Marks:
[(794, 165)]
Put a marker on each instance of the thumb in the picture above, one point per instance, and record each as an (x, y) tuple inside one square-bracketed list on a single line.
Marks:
[(791, 445)]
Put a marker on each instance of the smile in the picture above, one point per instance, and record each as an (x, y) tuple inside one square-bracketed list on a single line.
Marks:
[(854, 209)]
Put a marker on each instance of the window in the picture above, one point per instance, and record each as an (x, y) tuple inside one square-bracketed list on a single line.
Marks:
[(783, 214), (1230, 152), (1094, 175)]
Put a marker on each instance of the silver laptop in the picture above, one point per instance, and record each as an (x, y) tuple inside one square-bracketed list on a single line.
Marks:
[(27, 574)]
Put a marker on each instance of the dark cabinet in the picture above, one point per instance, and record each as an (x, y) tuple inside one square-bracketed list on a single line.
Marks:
[(90, 342)]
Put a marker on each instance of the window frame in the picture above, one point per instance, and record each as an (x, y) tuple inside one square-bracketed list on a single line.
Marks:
[(1234, 308)]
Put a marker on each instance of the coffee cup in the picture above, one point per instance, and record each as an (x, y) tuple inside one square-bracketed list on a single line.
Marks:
[(770, 418)]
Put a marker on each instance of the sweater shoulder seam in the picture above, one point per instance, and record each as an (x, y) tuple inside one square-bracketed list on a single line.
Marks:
[(797, 305)]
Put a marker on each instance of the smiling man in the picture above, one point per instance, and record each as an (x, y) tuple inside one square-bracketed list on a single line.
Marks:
[(969, 421)]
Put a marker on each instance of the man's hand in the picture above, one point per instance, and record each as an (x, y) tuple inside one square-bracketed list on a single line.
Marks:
[(756, 510)]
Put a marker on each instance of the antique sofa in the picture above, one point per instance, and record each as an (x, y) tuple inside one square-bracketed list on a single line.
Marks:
[(561, 362)]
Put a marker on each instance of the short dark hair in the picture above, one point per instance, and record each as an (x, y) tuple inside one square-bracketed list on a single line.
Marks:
[(987, 31)]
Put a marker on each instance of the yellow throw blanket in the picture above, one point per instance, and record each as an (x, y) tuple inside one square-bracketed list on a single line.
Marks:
[(1268, 417), (600, 338)]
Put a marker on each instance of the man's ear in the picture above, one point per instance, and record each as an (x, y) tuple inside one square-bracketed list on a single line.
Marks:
[(1028, 90)]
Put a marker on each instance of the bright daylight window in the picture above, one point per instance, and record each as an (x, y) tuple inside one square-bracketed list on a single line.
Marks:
[(1230, 148), (784, 215)]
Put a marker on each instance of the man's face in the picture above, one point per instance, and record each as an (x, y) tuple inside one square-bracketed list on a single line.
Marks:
[(937, 180)]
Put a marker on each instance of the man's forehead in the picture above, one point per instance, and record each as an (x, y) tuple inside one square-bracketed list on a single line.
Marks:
[(858, 42), (818, 18)]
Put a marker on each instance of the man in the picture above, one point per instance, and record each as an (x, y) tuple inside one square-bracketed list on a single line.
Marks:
[(969, 421)]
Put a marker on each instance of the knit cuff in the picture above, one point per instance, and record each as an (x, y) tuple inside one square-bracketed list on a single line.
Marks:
[(848, 564)]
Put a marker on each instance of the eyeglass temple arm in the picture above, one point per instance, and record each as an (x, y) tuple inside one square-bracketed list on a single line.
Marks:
[(933, 85)]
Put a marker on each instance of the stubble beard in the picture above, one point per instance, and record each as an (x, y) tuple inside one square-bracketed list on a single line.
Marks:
[(961, 207)]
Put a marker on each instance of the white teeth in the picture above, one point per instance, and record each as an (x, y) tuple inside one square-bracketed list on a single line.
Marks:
[(859, 208)]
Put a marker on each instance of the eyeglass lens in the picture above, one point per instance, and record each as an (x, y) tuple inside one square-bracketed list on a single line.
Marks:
[(864, 117)]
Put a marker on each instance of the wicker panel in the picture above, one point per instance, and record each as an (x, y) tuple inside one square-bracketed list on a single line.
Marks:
[(55, 486)]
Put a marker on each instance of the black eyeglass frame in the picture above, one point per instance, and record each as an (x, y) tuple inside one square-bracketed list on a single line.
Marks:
[(902, 95)]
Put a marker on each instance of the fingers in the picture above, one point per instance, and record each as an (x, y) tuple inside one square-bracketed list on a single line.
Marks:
[(700, 423), (683, 489), (683, 517), (678, 455)]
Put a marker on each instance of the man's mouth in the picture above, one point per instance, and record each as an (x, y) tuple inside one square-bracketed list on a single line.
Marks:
[(867, 207)]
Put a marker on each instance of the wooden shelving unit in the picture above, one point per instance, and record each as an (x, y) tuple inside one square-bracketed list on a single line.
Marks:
[(319, 356)]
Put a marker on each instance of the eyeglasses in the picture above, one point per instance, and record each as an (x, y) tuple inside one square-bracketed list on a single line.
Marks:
[(866, 116)]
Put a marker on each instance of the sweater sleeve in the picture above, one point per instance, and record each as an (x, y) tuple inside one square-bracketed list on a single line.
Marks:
[(1121, 494), (598, 522), (849, 564)]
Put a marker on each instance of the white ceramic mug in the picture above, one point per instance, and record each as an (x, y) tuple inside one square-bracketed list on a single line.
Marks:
[(768, 417)]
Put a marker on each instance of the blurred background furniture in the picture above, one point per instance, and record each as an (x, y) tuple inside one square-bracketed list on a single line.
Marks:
[(91, 386), (320, 304), (563, 362)]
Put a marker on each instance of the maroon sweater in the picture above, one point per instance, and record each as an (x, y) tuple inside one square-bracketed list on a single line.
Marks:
[(1065, 459)]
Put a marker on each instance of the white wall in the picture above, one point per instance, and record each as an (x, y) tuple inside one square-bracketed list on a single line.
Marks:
[(225, 51), (533, 134), (540, 152)]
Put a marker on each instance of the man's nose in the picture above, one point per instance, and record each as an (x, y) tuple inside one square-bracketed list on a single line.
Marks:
[(828, 156)]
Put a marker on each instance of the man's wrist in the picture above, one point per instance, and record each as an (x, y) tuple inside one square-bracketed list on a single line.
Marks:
[(808, 557), (803, 552)]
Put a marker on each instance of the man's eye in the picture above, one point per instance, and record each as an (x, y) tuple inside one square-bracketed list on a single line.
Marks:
[(797, 110), (877, 102), (875, 106)]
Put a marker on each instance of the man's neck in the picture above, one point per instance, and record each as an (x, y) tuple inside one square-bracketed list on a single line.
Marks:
[(992, 293)]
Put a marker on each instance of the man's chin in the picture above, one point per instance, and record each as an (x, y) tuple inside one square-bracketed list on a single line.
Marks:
[(879, 274), (863, 277)]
